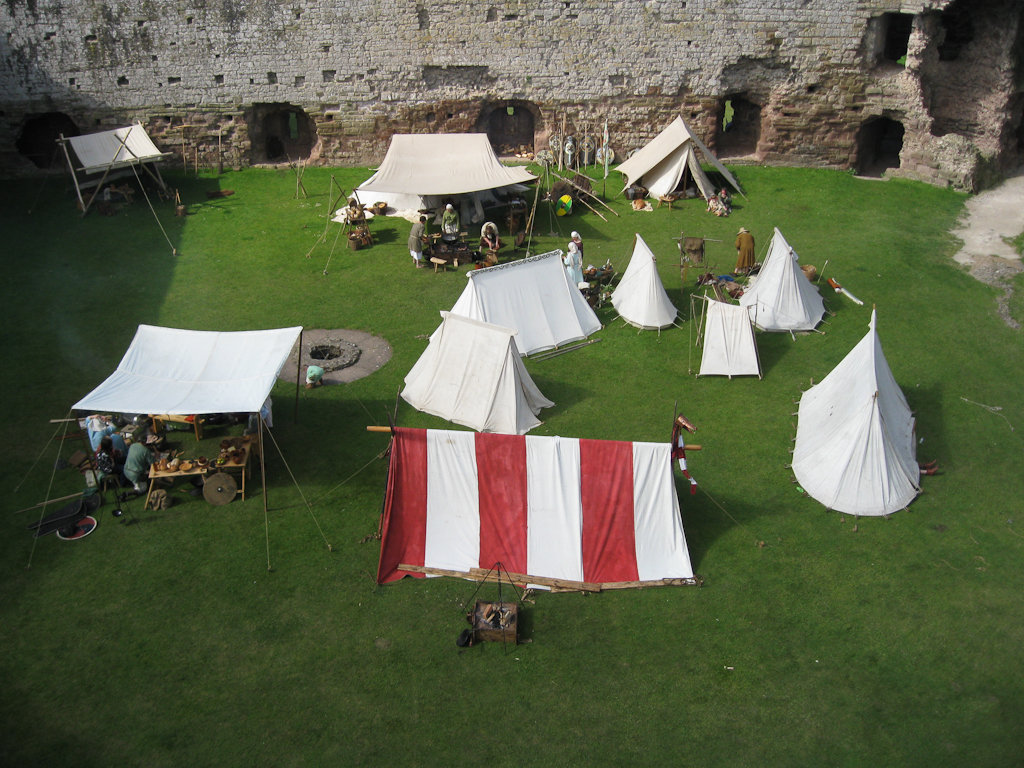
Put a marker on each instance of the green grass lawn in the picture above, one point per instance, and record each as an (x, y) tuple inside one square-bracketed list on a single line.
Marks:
[(171, 643)]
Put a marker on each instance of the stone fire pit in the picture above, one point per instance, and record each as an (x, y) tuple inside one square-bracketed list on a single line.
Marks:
[(344, 355)]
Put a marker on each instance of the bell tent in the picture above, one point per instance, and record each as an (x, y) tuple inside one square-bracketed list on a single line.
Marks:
[(471, 374), (640, 297), (855, 448), (660, 166), (729, 345), (782, 298), (534, 298)]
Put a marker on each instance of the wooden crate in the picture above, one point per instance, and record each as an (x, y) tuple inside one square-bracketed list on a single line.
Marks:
[(483, 630)]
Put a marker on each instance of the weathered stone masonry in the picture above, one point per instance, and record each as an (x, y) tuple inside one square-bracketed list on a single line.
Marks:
[(932, 90)]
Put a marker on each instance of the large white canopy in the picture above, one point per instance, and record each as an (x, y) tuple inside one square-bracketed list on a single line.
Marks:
[(660, 164), (110, 150), (471, 374), (782, 298), (442, 164), (855, 448), (729, 345), (533, 297), (640, 296), (174, 371)]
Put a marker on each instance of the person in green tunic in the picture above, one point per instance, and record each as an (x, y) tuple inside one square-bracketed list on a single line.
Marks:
[(744, 251), (136, 465)]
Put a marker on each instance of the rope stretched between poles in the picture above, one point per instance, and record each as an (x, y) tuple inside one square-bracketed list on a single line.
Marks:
[(301, 494)]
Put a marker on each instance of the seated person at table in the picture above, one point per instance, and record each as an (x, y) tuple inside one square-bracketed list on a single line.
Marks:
[(489, 240), (449, 224), (109, 461), (137, 464)]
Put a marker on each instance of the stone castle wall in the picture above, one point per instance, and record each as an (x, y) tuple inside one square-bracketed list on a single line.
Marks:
[(330, 82)]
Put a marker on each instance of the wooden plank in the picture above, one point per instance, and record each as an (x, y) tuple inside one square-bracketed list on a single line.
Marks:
[(696, 581), (521, 578), (436, 571)]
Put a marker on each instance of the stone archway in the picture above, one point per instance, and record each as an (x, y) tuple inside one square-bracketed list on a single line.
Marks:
[(738, 127), (38, 138), (510, 126), (879, 143), (280, 133)]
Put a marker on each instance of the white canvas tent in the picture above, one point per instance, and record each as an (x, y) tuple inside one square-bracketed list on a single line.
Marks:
[(729, 345), (471, 374), (640, 297), (855, 446), (420, 169), (782, 298), (660, 165), (533, 297), (110, 153), (175, 371)]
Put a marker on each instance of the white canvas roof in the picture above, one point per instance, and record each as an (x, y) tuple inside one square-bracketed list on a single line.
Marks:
[(174, 371), (471, 374), (99, 152), (640, 297), (660, 164), (729, 345), (782, 298), (533, 297), (442, 164), (855, 448)]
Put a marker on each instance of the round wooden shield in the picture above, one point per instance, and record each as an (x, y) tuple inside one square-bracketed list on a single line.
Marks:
[(220, 489)]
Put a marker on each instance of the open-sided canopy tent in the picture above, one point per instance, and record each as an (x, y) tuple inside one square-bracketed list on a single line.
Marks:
[(175, 371), (659, 166), (534, 298), (729, 345), (461, 500), (640, 297), (855, 448), (108, 152), (471, 374), (782, 298)]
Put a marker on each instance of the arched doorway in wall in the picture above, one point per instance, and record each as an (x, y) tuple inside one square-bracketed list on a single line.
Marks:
[(280, 133), (37, 140), (739, 127), (879, 143), (509, 126)]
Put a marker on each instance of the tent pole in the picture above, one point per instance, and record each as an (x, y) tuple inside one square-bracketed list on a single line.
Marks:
[(71, 167), (298, 378), (106, 173), (263, 474)]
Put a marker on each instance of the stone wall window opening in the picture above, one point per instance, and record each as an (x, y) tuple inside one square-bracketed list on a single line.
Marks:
[(509, 128), (37, 140), (898, 27), (879, 144), (738, 126), (280, 133), (957, 30)]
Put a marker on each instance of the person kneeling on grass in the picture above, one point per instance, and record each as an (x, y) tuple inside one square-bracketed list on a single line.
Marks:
[(137, 464), (314, 376)]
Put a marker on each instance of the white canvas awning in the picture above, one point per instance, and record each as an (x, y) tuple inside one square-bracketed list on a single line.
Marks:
[(110, 150), (442, 164), (174, 371)]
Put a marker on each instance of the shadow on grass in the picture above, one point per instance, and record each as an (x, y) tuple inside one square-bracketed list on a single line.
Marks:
[(706, 519)]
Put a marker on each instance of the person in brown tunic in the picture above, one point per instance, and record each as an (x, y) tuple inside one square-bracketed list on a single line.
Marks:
[(744, 251)]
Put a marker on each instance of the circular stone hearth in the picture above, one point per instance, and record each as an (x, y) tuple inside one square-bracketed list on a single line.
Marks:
[(343, 354)]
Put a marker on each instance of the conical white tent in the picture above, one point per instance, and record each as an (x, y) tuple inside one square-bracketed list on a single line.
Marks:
[(855, 447), (532, 296), (729, 345), (660, 165), (782, 298), (640, 297), (471, 374)]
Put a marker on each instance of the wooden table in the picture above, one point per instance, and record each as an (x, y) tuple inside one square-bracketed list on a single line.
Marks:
[(177, 419), (155, 474), (241, 469)]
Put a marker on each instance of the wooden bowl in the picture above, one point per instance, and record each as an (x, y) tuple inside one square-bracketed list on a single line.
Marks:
[(185, 466)]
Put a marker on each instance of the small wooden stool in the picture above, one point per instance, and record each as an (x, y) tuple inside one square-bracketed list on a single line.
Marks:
[(667, 199), (438, 263)]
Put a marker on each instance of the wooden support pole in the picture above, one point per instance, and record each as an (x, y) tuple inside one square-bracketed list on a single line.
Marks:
[(298, 378)]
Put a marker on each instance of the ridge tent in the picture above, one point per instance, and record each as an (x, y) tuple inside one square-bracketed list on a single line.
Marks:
[(461, 500), (782, 298), (661, 163), (113, 153), (471, 374), (419, 169), (640, 297), (730, 348), (175, 371), (532, 296), (855, 447)]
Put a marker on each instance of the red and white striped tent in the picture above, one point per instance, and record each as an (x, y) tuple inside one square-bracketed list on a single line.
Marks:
[(595, 511)]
